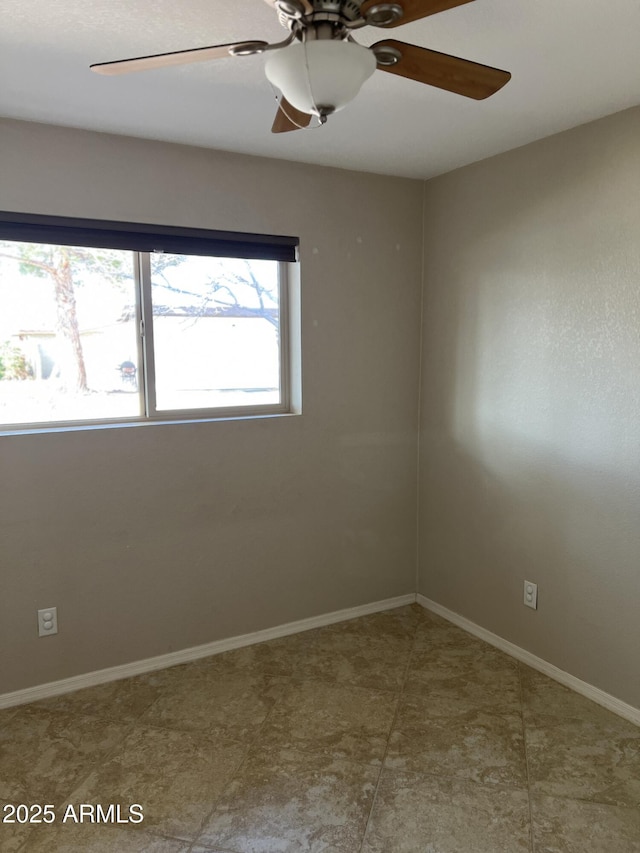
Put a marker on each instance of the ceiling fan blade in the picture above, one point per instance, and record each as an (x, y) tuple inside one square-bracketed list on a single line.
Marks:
[(179, 57), (412, 10), (289, 118), (442, 70)]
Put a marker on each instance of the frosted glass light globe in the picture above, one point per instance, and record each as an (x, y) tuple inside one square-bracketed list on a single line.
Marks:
[(320, 77)]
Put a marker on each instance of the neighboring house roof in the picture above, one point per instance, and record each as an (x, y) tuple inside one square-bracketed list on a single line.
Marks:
[(230, 311)]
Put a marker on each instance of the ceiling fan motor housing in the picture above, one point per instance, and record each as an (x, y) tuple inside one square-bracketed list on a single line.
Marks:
[(347, 9), (297, 15)]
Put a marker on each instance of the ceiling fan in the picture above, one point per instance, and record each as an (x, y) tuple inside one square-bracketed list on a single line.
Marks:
[(320, 67)]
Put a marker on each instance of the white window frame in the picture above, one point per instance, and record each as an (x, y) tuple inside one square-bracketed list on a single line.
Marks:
[(146, 355), (24, 227)]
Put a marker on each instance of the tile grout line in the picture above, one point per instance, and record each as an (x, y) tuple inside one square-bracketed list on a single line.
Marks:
[(346, 683), (237, 770), (195, 844), (103, 760), (526, 759), (391, 728), (288, 680), (133, 724), (78, 784), (23, 848), (472, 783), (291, 679)]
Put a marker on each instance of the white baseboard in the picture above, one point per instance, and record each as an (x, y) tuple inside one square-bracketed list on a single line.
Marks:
[(115, 673), (594, 693)]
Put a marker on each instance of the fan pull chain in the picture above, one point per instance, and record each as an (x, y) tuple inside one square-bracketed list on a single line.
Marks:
[(276, 96)]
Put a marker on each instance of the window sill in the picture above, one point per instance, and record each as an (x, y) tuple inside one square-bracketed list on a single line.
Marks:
[(29, 429)]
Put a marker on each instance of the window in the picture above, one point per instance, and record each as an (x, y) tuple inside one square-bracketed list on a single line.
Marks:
[(106, 322)]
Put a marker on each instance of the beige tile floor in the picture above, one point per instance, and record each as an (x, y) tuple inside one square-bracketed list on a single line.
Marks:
[(392, 733)]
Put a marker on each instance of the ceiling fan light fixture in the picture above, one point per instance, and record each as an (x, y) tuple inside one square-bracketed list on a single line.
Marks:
[(320, 77)]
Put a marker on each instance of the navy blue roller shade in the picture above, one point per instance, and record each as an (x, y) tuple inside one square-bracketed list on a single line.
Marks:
[(139, 237)]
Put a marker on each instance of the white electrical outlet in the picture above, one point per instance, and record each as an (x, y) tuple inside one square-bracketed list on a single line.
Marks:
[(47, 621), (531, 594)]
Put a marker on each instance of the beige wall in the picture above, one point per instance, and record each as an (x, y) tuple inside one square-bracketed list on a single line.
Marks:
[(154, 539), (530, 440)]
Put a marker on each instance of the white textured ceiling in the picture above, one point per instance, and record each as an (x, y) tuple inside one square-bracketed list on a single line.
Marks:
[(571, 60)]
